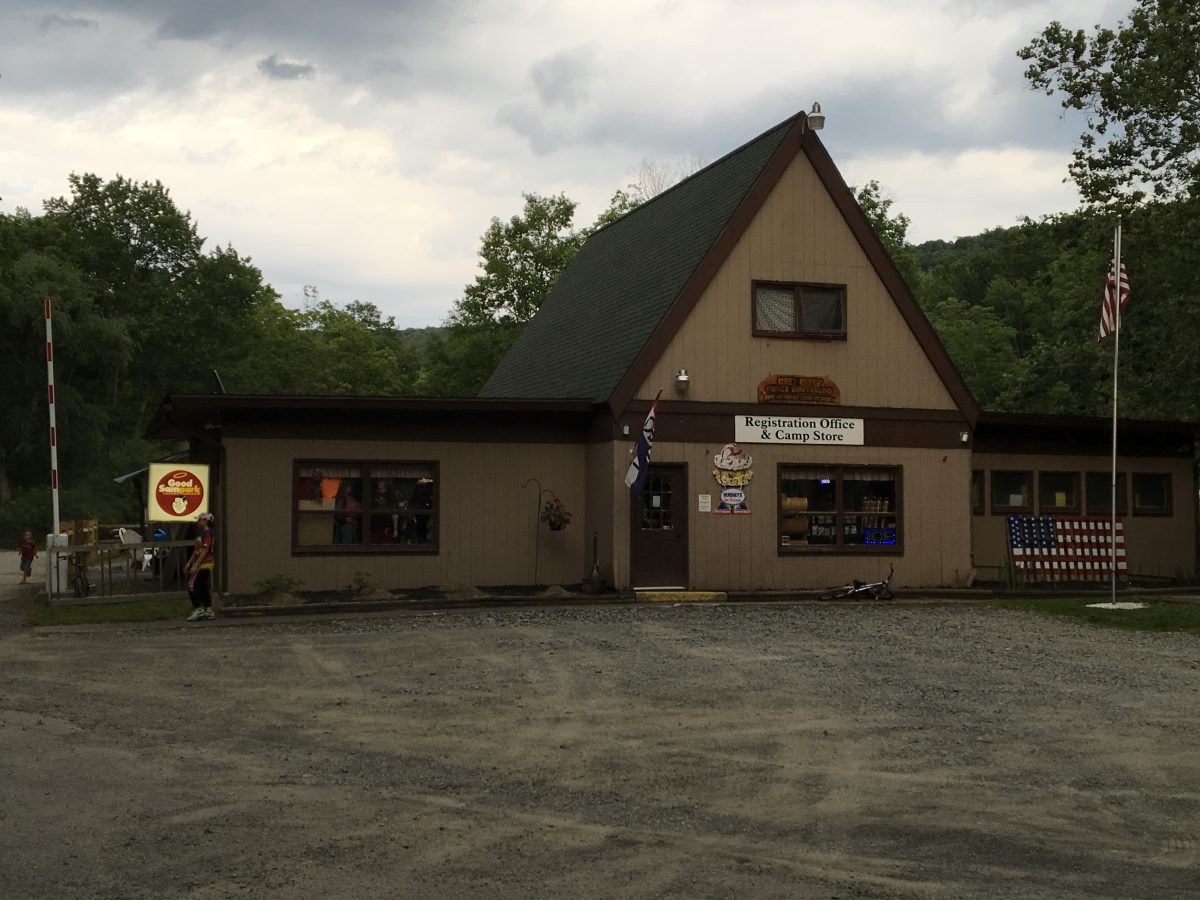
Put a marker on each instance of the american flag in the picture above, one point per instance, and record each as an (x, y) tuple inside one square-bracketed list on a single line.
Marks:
[(1108, 313), (1065, 548)]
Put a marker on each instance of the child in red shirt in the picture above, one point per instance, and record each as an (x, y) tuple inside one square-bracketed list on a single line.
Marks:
[(27, 547)]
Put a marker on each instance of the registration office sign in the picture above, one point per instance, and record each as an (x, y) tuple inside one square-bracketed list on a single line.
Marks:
[(824, 431)]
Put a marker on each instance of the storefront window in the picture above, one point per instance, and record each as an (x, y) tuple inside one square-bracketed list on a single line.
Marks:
[(1099, 493), (1058, 492), (1151, 494), (365, 506), (838, 508), (1012, 492)]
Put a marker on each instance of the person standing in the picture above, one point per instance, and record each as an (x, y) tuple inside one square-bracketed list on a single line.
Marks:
[(27, 547), (199, 570)]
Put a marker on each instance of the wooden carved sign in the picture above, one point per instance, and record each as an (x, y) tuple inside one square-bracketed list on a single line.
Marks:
[(816, 390)]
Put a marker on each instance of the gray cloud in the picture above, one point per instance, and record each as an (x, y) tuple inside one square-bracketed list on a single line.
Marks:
[(275, 68), (564, 77), (56, 22)]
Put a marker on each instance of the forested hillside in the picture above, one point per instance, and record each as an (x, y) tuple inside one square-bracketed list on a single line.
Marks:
[(1019, 311)]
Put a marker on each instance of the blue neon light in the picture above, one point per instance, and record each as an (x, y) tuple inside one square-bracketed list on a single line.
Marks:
[(879, 535)]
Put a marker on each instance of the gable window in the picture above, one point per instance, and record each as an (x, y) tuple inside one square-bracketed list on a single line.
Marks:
[(356, 507), (1099, 493), (1058, 492), (1151, 494), (1012, 492), (839, 508), (799, 310)]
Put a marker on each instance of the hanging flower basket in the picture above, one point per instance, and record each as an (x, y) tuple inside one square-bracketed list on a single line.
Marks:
[(555, 514)]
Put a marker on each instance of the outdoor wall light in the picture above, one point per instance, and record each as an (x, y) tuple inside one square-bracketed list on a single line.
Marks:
[(816, 118), (964, 436), (682, 380)]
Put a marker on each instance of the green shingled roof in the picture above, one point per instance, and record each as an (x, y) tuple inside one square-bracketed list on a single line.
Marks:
[(613, 295)]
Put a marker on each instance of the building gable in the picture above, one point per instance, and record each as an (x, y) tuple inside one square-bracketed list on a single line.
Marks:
[(620, 303), (798, 236)]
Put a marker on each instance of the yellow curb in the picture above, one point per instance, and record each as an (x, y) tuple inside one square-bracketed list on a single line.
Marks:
[(680, 596)]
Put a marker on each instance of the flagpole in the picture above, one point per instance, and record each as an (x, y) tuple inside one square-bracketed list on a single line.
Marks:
[(1116, 351)]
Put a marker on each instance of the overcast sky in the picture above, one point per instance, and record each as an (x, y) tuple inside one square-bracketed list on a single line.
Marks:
[(364, 146)]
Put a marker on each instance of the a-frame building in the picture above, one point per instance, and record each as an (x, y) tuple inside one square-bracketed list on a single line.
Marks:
[(811, 427)]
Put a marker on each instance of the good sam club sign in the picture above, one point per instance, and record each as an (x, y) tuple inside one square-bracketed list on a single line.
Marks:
[(825, 431), (177, 493)]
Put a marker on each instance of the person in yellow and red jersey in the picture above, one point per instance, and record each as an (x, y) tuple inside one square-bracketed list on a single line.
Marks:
[(199, 570)]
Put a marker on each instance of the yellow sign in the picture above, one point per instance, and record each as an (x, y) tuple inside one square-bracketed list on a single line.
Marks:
[(177, 492)]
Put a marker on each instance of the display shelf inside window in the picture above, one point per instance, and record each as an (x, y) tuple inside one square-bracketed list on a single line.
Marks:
[(328, 505), (837, 507), (401, 507)]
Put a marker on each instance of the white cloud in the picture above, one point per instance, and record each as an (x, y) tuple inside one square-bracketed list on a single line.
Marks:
[(398, 130), (962, 194)]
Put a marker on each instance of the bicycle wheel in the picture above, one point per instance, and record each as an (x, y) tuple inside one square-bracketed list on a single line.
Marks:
[(838, 593), (883, 592)]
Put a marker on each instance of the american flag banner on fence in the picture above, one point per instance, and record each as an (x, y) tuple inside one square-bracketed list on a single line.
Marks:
[(1065, 548)]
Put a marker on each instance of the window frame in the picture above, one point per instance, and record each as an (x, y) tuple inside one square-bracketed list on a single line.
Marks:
[(364, 547), (1122, 493), (1003, 509), (840, 471), (1168, 507), (797, 288), (1073, 509)]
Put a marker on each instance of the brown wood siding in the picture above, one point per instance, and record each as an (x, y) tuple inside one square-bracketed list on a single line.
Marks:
[(799, 236), (487, 521), (602, 479), (740, 552), (1154, 545)]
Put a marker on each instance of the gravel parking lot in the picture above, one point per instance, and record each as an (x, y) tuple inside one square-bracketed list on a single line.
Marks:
[(741, 750)]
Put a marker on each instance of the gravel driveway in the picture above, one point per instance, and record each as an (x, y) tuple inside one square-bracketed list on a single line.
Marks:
[(742, 750)]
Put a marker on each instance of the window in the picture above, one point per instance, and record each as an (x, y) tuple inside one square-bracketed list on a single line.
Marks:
[(1058, 492), (1099, 493), (1151, 494), (839, 508), (977, 492), (365, 507), (799, 310), (1012, 492)]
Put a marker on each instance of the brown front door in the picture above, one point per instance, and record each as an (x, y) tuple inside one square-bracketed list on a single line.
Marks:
[(658, 542)]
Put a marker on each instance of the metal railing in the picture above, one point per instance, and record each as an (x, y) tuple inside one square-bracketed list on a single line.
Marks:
[(110, 569)]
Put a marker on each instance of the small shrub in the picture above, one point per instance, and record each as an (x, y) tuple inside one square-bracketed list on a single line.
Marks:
[(1012, 577), (361, 582), (278, 584)]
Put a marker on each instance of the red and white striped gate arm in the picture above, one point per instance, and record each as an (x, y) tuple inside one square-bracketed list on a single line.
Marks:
[(53, 421)]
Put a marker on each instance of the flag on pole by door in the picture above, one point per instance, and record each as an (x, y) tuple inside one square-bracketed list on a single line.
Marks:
[(1108, 314), (635, 477)]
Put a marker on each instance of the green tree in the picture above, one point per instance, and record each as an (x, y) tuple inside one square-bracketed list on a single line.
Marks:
[(892, 231), (1140, 88), (521, 259), (981, 346), (460, 360)]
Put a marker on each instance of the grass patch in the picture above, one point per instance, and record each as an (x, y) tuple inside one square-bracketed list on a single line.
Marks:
[(1157, 616), (156, 610)]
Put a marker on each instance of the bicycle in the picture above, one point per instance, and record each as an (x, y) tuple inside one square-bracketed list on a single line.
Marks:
[(860, 590), (79, 575)]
